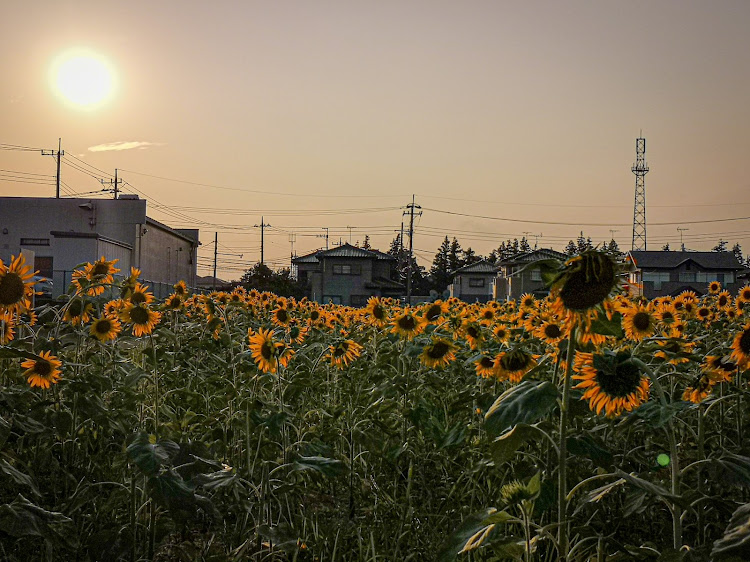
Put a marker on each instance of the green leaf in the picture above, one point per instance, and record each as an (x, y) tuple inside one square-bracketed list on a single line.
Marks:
[(653, 489), (151, 457), (19, 477), (526, 402), (608, 327), (733, 469), (504, 447), (457, 540), (21, 518), (735, 544), (656, 414), (586, 446), (326, 466)]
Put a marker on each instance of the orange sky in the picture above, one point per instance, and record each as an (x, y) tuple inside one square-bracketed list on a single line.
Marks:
[(332, 114)]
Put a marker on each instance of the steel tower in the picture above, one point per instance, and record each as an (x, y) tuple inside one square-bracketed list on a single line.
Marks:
[(640, 169)]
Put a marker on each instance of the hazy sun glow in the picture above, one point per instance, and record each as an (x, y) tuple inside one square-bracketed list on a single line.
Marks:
[(83, 79)]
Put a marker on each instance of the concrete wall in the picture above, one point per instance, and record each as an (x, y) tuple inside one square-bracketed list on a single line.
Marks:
[(165, 256), (343, 286), (460, 288)]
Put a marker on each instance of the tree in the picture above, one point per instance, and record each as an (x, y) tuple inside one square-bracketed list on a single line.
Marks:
[(366, 243), (613, 249), (280, 282), (454, 255), (583, 244), (571, 249), (470, 256), (666, 248), (720, 247), (440, 269), (737, 251), (524, 246)]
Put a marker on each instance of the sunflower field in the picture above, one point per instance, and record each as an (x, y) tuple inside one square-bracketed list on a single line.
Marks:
[(588, 425)]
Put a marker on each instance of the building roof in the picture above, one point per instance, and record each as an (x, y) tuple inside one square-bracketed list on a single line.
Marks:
[(343, 251), (185, 234), (533, 255), (482, 266), (643, 259)]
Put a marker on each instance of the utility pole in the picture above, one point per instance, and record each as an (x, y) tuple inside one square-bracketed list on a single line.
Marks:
[(682, 244), (262, 226), (411, 208), (216, 253), (56, 154), (326, 229), (350, 233), (115, 183)]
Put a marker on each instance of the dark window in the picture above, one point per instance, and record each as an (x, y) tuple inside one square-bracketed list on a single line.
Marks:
[(44, 265), (34, 241), (359, 300), (476, 282), (346, 269), (335, 299)]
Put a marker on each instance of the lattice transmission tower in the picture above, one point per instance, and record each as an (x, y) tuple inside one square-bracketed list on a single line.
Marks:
[(640, 169)]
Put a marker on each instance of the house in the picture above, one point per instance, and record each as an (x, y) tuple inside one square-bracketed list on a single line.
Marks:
[(474, 282), (347, 275), (513, 281), (63, 233), (659, 273)]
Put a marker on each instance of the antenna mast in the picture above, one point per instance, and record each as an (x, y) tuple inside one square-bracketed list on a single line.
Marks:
[(640, 169)]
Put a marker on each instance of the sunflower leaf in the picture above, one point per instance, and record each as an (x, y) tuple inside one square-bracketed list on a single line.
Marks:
[(735, 544), (526, 402), (457, 540), (504, 447), (21, 518), (151, 457), (19, 477), (653, 489), (326, 466), (606, 327)]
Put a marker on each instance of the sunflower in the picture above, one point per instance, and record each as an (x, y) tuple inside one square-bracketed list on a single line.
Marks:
[(585, 281), (94, 276), (173, 302), (43, 371), (105, 328), (550, 332), (432, 311), (281, 316), (704, 314), (514, 364), (724, 299), (674, 350), (741, 347), (264, 349), (485, 367), (527, 302), (699, 390), (487, 315), (743, 295), (665, 314), (501, 333), (113, 307), (407, 325), (16, 286), (714, 288), (7, 325), (438, 353), (720, 369), (344, 352), (141, 295), (638, 322), (297, 333), (472, 331), (77, 312), (611, 382), (141, 317), (180, 288), (129, 283)]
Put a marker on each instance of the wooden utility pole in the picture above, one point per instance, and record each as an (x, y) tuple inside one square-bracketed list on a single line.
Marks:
[(216, 254), (411, 248), (57, 154)]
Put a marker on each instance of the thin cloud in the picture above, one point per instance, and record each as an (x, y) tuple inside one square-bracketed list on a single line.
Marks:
[(123, 145)]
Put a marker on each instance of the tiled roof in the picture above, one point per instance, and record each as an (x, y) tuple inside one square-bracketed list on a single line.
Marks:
[(383, 283), (383, 255), (482, 266), (307, 258), (670, 260), (534, 255)]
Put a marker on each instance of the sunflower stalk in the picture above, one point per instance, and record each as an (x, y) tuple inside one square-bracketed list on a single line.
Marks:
[(562, 485)]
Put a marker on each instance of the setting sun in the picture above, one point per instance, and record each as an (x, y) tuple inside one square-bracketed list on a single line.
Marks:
[(84, 80)]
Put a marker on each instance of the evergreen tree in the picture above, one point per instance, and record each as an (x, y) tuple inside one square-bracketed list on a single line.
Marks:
[(666, 248), (613, 249), (470, 256), (524, 246), (493, 257), (280, 282), (571, 249), (737, 251), (440, 269), (720, 247), (454, 255), (366, 243), (514, 248), (583, 244)]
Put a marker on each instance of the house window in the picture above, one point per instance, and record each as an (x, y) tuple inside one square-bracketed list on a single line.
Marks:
[(346, 269), (34, 241), (476, 282), (687, 276), (536, 274), (708, 276), (359, 300), (655, 277)]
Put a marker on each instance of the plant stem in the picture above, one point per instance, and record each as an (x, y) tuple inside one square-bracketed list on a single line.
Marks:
[(562, 484)]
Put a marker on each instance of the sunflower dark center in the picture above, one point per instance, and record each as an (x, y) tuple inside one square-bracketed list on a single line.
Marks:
[(488, 315), (11, 289), (703, 312), (625, 381), (723, 300), (433, 312), (641, 321), (552, 331), (76, 307), (100, 269), (42, 368), (314, 315), (486, 362), (340, 349), (294, 332), (438, 350), (515, 361), (500, 334), (378, 312), (667, 316), (138, 298), (744, 343), (407, 323), (139, 315), (266, 350), (672, 347), (590, 284), (473, 332), (282, 315), (103, 326)]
